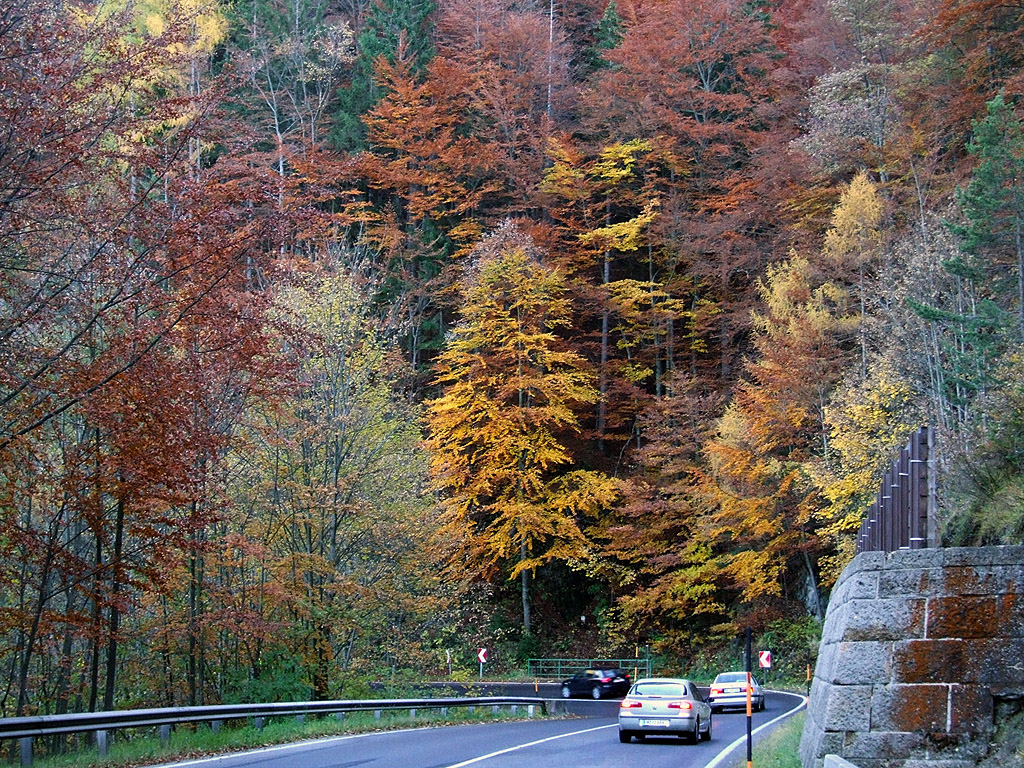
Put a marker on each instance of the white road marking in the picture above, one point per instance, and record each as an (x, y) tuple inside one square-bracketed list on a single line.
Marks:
[(719, 758), (481, 758)]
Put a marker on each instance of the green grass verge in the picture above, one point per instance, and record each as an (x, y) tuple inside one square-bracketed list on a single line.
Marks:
[(780, 748), (140, 749)]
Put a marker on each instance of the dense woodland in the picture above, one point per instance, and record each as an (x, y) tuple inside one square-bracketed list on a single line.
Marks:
[(339, 338)]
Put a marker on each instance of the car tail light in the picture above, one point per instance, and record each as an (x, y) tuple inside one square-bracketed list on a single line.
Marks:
[(717, 691), (606, 679), (680, 705), (629, 704)]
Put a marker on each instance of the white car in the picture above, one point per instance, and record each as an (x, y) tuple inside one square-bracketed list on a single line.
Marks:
[(730, 690), (664, 706)]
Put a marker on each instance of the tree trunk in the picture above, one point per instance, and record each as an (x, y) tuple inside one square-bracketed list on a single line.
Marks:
[(115, 612), (524, 582)]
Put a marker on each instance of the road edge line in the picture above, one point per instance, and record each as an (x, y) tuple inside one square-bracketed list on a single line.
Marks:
[(721, 756)]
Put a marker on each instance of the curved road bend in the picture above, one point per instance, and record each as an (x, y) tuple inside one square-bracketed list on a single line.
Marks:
[(589, 740)]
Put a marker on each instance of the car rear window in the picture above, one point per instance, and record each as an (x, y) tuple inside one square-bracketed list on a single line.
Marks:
[(660, 689), (732, 677)]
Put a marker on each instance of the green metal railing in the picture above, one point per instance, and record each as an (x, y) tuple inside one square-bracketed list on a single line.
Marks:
[(560, 668)]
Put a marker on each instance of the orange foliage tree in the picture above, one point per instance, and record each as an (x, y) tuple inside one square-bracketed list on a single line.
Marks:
[(759, 482), (510, 391)]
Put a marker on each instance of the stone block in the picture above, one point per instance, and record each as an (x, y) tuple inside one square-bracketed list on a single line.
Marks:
[(884, 619), (995, 661), (865, 561), (825, 743), (861, 662), (975, 616), (862, 585), (932, 661), (971, 710), (983, 580), (980, 556), (957, 746), (882, 745), (910, 708), (938, 763), (818, 699), (826, 660), (835, 622), (911, 582), (931, 557), (848, 708)]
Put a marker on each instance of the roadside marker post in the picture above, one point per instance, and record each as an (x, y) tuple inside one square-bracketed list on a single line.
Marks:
[(750, 714), (481, 656)]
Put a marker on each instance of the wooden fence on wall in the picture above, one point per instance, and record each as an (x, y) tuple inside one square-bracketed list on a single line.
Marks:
[(902, 515)]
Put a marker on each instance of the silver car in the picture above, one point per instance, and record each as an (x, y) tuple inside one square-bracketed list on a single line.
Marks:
[(664, 706), (730, 690)]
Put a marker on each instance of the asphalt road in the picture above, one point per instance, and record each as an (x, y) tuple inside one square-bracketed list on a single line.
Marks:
[(587, 740)]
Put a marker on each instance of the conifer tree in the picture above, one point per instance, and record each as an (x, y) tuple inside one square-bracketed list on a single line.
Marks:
[(607, 36), (993, 204), (390, 26)]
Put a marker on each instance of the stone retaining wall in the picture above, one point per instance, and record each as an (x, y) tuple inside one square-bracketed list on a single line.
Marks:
[(922, 654)]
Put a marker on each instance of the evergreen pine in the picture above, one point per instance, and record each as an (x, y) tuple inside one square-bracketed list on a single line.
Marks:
[(993, 205), (389, 25)]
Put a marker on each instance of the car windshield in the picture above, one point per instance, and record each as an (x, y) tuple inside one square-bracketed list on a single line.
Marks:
[(659, 689), (732, 677)]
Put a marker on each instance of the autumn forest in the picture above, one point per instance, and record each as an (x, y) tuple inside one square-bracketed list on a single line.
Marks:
[(339, 338)]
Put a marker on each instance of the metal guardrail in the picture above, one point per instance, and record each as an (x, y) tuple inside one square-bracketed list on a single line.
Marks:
[(27, 728), (560, 668), (902, 515)]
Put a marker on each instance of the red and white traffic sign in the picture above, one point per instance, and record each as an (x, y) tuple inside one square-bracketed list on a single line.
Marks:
[(764, 658), (481, 655)]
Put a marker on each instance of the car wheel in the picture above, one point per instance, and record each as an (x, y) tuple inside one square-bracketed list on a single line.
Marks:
[(625, 737), (695, 736), (707, 734), (760, 705), (595, 692), (565, 691)]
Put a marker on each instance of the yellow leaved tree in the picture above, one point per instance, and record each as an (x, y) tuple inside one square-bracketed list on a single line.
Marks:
[(774, 431), (500, 429)]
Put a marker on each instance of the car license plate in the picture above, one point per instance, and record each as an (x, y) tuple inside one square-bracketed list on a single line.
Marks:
[(655, 723), (733, 690)]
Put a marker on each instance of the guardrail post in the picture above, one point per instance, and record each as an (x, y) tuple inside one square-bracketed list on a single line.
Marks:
[(340, 716), (376, 714), (515, 708), (215, 726), (471, 710), (412, 713), (25, 745), (300, 719), (531, 710), (494, 710), (165, 735), (258, 723), (444, 711), (103, 742)]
